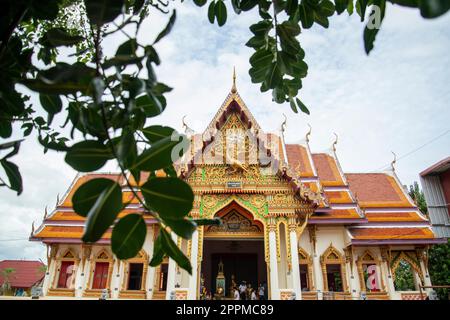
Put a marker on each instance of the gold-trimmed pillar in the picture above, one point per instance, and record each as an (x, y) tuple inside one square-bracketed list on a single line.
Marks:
[(192, 292), (295, 265), (273, 263)]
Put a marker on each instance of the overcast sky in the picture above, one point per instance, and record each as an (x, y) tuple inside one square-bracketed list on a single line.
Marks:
[(397, 99)]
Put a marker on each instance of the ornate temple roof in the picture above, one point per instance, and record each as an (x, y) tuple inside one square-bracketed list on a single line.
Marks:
[(373, 206)]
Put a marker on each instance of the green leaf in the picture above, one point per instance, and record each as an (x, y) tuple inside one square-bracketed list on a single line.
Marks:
[(220, 11), (361, 6), (87, 194), (103, 213), (256, 42), (211, 12), (208, 222), (302, 107), (56, 37), (174, 252), (126, 149), (200, 3), (433, 8), (172, 198), (168, 27), (51, 103), (341, 5), (236, 6), (371, 30), (274, 76), (293, 105), (100, 12), (261, 28), (258, 74), (158, 252), (247, 5), (182, 227), (128, 236), (306, 16), (86, 156), (150, 104), (156, 133), (63, 78), (161, 154), (262, 58), (13, 174)]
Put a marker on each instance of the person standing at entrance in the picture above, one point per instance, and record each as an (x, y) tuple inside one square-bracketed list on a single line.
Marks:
[(242, 289), (236, 294), (253, 296), (261, 292)]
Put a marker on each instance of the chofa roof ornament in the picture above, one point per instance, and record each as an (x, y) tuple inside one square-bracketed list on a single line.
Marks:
[(393, 161), (308, 134), (335, 142)]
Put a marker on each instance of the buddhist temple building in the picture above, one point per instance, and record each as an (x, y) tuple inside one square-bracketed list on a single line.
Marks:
[(292, 222)]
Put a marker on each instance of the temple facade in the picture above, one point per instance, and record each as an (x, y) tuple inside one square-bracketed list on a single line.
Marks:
[(292, 222)]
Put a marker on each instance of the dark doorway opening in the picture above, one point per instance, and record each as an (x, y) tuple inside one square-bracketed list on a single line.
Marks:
[(243, 259), (135, 277)]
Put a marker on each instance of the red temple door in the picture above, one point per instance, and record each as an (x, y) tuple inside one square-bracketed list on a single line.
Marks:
[(100, 275), (64, 274)]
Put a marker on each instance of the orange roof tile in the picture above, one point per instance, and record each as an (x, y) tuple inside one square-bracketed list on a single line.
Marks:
[(73, 216), (327, 170), (409, 216), (337, 214), (72, 232), (68, 200), (298, 160), (377, 190), (338, 197), (391, 233)]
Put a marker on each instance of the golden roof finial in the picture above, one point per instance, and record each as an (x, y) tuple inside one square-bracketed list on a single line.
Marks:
[(308, 134), (393, 161), (335, 142), (233, 88)]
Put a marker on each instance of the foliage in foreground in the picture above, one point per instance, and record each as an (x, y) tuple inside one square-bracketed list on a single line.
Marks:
[(109, 99)]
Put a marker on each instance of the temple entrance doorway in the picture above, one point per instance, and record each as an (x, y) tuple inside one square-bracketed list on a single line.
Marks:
[(233, 253)]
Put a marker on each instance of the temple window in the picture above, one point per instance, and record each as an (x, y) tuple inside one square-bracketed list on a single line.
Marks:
[(135, 276), (101, 270), (369, 273), (404, 277), (406, 272), (163, 272), (306, 279), (67, 264), (333, 271), (66, 273)]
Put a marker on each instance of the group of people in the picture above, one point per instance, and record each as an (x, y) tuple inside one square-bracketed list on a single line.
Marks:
[(246, 292)]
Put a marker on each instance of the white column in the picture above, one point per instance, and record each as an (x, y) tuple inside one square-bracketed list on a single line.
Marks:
[(295, 264), (318, 279), (79, 279), (115, 279), (171, 273), (192, 293), (388, 280), (150, 280), (274, 288), (49, 276)]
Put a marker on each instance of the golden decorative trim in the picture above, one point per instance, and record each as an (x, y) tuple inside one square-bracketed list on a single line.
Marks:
[(306, 259), (142, 257), (333, 256), (368, 258)]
